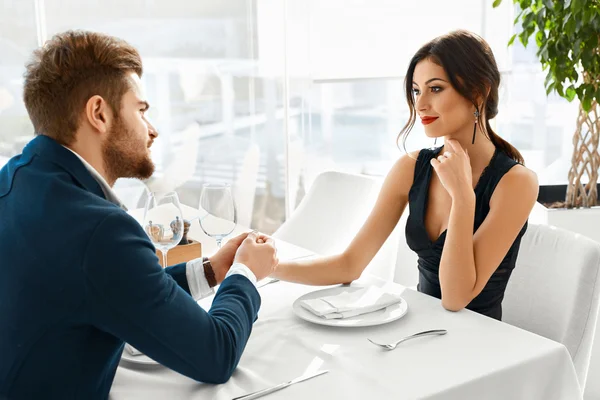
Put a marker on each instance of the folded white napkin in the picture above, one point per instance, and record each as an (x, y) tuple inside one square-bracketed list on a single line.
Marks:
[(351, 303), (132, 350)]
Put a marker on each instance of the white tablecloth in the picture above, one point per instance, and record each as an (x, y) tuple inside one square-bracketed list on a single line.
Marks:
[(479, 358)]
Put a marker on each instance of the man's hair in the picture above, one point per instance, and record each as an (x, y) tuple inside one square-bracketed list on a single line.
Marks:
[(67, 71)]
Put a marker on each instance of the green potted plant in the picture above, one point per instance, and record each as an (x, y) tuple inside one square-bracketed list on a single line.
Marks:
[(567, 34)]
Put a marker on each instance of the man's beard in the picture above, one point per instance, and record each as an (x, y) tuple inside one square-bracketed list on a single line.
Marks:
[(121, 157)]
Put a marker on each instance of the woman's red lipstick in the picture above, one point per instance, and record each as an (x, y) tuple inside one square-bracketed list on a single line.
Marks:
[(428, 120)]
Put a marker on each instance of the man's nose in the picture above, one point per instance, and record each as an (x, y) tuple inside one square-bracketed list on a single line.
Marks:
[(152, 131)]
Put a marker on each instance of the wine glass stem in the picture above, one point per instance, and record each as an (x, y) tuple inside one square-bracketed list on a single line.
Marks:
[(164, 255), (219, 243)]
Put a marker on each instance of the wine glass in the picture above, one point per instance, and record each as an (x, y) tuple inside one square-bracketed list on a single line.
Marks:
[(217, 201), (163, 221)]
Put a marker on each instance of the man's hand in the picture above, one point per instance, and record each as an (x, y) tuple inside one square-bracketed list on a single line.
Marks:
[(258, 253), (222, 260)]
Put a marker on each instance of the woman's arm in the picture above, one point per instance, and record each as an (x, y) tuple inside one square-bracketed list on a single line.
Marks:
[(350, 264), (469, 260)]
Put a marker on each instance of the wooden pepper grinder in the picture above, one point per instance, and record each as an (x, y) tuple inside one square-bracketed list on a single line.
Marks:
[(186, 228)]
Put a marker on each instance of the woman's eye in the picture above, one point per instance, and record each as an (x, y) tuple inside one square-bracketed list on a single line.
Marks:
[(435, 89), (416, 92)]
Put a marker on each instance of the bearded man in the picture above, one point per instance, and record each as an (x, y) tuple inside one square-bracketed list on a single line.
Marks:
[(79, 275)]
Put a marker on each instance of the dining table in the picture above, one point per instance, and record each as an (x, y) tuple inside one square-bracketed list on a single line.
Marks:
[(478, 358)]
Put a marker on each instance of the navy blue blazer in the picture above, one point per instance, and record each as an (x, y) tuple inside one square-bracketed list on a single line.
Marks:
[(79, 277)]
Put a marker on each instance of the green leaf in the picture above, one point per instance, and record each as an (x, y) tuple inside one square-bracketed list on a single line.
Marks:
[(539, 39), (579, 21), (570, 26), (527, 20), (574, 76), (570, 93), (518, 17), (587, 16), (587, 60), (497, 3), (586, 103), (512, 39), (559, 88), (551, 50), (548, 79), (524, 4), (567, 4), (566, 19), (549, 4), (593, 42), (578, 5), (543, 51), (523, 38), (540, 19)]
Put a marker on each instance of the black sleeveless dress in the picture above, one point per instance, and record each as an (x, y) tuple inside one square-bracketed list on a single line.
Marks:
[(489, 301)]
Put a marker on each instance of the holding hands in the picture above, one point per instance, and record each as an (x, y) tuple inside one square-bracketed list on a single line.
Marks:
[(454, 169), (254, 250), (258, 253)]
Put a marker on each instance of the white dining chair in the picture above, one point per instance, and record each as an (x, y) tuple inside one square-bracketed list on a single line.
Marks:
[(131, 192), (406, 270), (330, 215), (244, 187), (554, 290)]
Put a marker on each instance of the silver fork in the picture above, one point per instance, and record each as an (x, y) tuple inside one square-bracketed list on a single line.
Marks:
[(392, 346)]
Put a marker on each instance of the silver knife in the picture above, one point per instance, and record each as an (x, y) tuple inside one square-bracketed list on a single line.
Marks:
[(267, 283), (264, 392)]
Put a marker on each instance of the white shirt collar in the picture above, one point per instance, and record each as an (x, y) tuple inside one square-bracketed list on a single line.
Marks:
[(109, 193)]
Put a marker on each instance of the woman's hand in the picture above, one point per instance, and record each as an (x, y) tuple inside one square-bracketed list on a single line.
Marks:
[(221, 261), (454, 170)]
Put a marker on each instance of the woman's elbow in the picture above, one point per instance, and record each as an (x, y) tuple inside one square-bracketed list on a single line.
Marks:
[(353, 274), (352, 269), (453, 305)]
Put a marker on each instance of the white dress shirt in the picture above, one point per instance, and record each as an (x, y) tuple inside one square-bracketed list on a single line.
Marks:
[(194, 271)]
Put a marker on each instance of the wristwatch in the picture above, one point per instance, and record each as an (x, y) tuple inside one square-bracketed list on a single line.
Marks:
[(209, 272)]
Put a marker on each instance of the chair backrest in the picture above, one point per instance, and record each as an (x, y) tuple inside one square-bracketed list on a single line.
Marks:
[(331, 214), (554, 290), (406, 271), (244, 187), (131, 192), (181, 169)]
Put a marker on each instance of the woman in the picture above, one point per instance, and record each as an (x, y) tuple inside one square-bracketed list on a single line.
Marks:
[(469, 199)]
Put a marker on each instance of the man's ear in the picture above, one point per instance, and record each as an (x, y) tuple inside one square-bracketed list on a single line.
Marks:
[(98, 114)]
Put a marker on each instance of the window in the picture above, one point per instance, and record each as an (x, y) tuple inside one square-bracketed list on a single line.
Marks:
[(266, 94), (18, 38)]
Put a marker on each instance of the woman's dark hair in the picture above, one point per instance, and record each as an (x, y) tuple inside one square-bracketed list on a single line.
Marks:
[(471, 67)]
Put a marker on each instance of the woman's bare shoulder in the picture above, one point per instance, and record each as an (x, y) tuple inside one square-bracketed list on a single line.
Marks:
[(402, 173)]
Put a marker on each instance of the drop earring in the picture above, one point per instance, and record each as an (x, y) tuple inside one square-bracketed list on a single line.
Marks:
[(476, 114)]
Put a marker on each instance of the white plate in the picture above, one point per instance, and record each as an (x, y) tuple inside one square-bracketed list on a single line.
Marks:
[(137, 359), (388, 314)]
